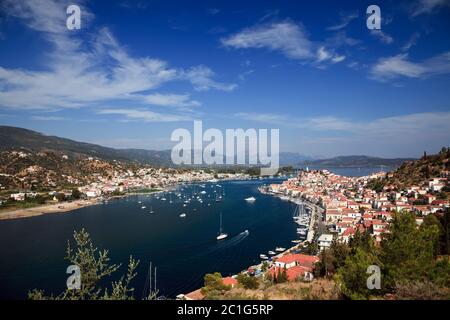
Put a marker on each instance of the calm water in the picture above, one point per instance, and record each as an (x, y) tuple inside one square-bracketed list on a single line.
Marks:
[(183, 249)]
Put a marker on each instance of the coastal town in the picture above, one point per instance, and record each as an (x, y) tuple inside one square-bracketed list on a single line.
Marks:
[(340, 207)]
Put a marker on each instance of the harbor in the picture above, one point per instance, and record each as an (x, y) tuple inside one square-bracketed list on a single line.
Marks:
[(183, 249)]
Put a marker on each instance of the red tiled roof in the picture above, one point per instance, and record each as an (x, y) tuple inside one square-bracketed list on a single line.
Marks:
[(229, 281), (301, 259)]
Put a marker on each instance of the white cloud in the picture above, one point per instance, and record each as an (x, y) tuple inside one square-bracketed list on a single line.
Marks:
[(48, 118), (428, 6), (201, 78), (400, 66), (411, 42), (77, 73), (286, 37), (383, 37), (263, 117), (171, 100), (144, 115), (345, 20)]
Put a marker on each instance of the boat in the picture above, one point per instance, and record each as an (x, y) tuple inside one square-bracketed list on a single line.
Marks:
[(280, 249), (221, 235), (263, 256), (143, 207), (163, 199), (297, 241), (272, 253), (250, 199), (182, 215), (151, 210)]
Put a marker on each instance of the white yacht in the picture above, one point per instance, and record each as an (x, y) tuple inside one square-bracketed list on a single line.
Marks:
[(221, 235), (280, 249), (182, 215), (263, 256), (251, 199), (272, 253)]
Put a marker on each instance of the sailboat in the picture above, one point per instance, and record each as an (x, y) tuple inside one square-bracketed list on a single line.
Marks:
[(151, 209), (221, 235)]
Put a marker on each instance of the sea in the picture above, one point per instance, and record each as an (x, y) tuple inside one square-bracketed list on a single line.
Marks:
[(182, 249)]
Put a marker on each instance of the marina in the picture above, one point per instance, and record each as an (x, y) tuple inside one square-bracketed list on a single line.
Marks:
[(180, 238)]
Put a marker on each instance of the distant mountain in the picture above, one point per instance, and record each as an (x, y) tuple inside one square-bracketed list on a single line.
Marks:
[(13, 138), (356, 161), (19, 138), (293, 158)]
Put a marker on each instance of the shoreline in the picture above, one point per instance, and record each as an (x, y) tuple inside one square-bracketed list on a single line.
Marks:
[(65, 207), (62, 207)]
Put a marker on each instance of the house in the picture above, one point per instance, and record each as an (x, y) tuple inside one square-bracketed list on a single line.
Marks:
[(18, 196), (229, 281), (296, 266), (325, 241), (347, 234)]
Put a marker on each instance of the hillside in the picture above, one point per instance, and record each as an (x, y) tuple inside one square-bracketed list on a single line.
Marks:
[(12, 138), (356, 161), (417, 172)]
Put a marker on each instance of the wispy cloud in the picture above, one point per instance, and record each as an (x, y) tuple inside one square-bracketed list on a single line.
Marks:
[(345, 21), (411, 42), (400, 66), (286, 37), (171, 100), (382, 36), (262, 117), (144, 115), (421, 7), (78, 73), (48, 118)]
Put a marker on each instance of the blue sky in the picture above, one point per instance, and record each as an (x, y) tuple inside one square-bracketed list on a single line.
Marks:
[(138, 70)]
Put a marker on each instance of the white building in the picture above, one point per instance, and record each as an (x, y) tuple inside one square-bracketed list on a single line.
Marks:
[(325, 241)]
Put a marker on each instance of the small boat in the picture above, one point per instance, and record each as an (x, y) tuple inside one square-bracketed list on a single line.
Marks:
[(251, 199), (296, 241), (221, 235), (163, 199), (272, 253), (280, 249), (263, 256), (182, 215), (143, 207), (184, 204)]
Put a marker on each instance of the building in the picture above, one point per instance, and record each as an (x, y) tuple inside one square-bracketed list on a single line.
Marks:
[(325, 241)]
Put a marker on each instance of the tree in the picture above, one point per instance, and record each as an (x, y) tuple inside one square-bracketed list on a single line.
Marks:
[(325, 266), (408, 252), (94, 267), (352, 277), (247, 281), (213, 285), (76, 194)]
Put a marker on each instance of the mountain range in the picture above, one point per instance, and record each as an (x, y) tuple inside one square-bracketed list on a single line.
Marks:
[(14, 138)]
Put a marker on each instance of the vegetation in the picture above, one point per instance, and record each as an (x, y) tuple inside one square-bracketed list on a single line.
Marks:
[(248, 282), (95, 268), (415, 172), (213, 286), (413, 260)]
